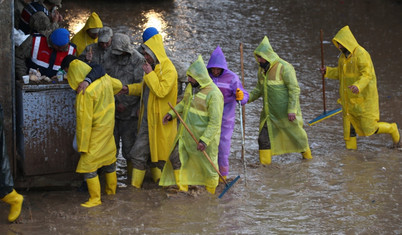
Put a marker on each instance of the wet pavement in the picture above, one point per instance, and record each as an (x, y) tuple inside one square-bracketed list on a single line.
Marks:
[(338, 192)]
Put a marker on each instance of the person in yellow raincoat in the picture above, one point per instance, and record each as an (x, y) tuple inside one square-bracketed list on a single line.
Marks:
[(281, 122), (159, 86), (95, 124), (202, 110), (88, 34), (358, 91)]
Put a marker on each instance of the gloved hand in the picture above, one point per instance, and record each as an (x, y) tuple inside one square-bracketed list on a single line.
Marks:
[(239, 94)]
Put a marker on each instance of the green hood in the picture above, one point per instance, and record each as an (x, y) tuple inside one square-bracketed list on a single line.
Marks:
[(265, 51), (199, 72)]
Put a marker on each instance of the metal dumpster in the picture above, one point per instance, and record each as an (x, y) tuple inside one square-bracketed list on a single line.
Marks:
[(45, 128)]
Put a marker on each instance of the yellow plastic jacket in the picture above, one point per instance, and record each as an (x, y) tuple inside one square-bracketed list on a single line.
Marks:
[(202, 112), (162, 83), (82, 39), (280, 92), (362, 109), (95, 118)]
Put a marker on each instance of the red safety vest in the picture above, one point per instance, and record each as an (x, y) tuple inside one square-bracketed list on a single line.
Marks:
[(47, 59)]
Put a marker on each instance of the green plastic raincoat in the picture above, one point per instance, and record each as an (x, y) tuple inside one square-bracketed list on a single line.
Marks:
[(362, 109), (82, 39), (162, 84), (202, 112), (95, 118), (280, 92)]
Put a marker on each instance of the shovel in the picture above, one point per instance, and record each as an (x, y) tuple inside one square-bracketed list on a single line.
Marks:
[(228, 185), (326, 114)]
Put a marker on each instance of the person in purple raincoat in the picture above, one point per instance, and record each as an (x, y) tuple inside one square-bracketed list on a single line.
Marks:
[(232, 90)]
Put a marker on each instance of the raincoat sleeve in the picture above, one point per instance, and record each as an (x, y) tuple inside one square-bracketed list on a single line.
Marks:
[(215, 110), (256, 92), (364, 68), (22, 53), (162, 86), (84, 110), (116, 84), (332, 73), (135, 89), (289, 78)]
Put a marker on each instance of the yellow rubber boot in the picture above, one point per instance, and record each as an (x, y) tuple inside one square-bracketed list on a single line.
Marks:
[(15, 200), (211, 190), (220, 179), (307, 154), (111, 183), (94, 190), (392, 129), (137, 178), (351, 143), (177, 178), (265, 156), (156, 173)]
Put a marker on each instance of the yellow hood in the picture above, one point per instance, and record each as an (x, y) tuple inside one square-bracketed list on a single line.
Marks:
[(265, 51), (346, 38), (77, 71)]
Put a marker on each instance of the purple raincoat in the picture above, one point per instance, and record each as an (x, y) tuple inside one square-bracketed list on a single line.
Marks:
[(228, 82)]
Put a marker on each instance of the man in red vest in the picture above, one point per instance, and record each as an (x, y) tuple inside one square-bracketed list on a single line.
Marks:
[(43, 53)]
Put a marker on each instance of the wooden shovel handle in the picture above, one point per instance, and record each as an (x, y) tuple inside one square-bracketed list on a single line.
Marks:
[(195, 139)]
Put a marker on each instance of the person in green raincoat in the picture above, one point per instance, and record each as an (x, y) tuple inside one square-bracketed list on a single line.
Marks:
[(201, 109), (88, 34), (358, 91), (281, 122), (95, 110)]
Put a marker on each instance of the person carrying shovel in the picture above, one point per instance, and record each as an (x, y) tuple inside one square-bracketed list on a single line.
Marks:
[(281, 122), (201, 109)]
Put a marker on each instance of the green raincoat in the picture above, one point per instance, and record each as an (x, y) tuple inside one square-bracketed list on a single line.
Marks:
[(202, 112), (95, 118), (362, 109), (280, 92), (82, 39)]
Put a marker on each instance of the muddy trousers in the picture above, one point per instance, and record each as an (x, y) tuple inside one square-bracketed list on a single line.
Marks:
[(6, 179), (175, 157), (126, 131)]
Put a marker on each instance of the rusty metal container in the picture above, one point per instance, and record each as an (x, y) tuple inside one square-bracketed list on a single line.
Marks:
[(45, 128)]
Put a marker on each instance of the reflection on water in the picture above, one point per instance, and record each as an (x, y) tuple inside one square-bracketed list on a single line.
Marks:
[(338, 192)]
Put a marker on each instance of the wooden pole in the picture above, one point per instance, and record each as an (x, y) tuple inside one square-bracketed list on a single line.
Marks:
[(244, 106), (322, 65)]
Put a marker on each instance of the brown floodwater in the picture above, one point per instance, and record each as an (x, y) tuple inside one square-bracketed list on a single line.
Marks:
[(338, 192)]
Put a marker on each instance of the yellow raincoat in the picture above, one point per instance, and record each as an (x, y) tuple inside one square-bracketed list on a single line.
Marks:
[(202, 112), (162, 83), (280, 92), (95, 118), (82, 39), (362, 109)]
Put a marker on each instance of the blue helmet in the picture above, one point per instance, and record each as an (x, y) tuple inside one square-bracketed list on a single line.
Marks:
[(149, 33)]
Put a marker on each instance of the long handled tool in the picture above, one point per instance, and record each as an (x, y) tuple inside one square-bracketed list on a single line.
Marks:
[(228, 185), (242, 112), (325, 114)]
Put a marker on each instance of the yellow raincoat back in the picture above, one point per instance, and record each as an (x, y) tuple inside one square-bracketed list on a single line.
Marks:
[(362, 109), (280, 92), (202, 112), (82, 39), (162, 83), (95, 118)]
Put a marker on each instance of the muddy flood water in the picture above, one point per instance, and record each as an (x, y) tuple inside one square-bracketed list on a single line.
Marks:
[(339, 191)]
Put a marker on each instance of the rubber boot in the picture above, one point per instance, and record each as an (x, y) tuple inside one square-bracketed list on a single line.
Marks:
[(94, 190), (137, 178), (307, 154), (156, 173), (211, 190), (351, 143), (177, 178), (220, 179), (392, 129), (265, 156), (111, 183), (15, 200)]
